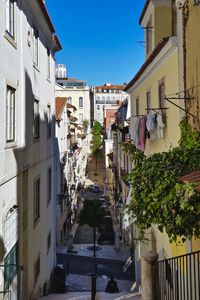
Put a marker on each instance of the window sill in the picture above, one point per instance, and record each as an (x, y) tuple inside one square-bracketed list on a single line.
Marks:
[(35, 222), (10, 39), (36, 67), (9, 145)]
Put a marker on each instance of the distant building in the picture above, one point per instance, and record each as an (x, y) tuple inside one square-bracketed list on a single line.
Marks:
[(76, 91), (103, 96)]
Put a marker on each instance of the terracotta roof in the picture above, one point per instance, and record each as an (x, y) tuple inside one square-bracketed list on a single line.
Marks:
[(110, 156), (149, 60), (144, 11), (110, 87), (46, 15), (60, 104), (193, 176), (71, 106)]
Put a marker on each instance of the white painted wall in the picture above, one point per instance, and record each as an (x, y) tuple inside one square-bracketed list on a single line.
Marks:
[(26, 154)]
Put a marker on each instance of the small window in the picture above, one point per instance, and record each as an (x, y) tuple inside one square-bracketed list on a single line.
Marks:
[(36, 198), (161, 94), (36, 269), (35, 48), (48, 64), (49, 180), (48, 242), (69, 100), (10, 17), (80, 102), (148, 95), (36, 120), (137, 107), (80, 117), (196, 2), (10, 114), (48, 121), (98, 107)]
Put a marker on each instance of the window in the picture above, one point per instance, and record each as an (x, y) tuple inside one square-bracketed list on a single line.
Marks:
[(49, 184), (161, 94), (48, 121), (69, 100), (10, 114), (80, 117), (48, 64), (36, 269), (98, 107), (36, 120), (10, 17), (48, 242), (196, 2), (149, 37), (137, 106), (35, 48), (148, 95), (80, 101), (36, 199)]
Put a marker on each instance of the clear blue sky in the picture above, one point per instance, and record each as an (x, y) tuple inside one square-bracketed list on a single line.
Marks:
[(99, 38)]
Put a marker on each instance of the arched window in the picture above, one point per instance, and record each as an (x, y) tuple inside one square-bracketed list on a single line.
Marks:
[(80, 101)]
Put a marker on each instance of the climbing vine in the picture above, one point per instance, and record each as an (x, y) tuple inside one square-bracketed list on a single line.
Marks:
[(158, 195)]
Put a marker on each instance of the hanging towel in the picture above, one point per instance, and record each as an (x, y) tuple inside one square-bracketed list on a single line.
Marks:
[(152, 126), (136, 131), (142, 133), (160, 125)]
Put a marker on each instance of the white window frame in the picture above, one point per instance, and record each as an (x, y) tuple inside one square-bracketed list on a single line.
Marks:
[(35, 47), (36, 119), (48, 64), (80, 102), (81, 118), (36, 199), (48, 120), (49, 184), (10, 114), (10, 18)]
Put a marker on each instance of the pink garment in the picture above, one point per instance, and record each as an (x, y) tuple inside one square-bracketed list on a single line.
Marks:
[(142, 133)]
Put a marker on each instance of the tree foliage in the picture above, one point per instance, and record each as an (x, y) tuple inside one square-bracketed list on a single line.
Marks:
[(158, 196), (92, 213)]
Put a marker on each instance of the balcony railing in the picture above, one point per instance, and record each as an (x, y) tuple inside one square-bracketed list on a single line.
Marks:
[(179, 277)]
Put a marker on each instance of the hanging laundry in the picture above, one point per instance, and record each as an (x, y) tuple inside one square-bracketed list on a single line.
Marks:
[(136, 131), (160, 125), (151, 125), (142, 133)]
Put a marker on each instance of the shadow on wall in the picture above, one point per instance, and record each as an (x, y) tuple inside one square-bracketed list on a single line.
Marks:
[(36, 154)]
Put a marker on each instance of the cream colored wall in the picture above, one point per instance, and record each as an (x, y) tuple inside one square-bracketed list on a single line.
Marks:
[(192, 31), (169, 71), (162, 26)]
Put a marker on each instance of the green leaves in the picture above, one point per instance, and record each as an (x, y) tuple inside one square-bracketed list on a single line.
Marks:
[(92, 213), (157, 195)]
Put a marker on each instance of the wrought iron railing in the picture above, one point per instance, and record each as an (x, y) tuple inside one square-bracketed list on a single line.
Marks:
[(179, 277)]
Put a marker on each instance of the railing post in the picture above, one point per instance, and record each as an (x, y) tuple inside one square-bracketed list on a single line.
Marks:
[(149, 276)]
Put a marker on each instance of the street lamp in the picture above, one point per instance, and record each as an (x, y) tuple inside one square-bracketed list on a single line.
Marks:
[(94, 283)]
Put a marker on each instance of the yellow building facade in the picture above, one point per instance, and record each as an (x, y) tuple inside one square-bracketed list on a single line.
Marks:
[(157, 79)]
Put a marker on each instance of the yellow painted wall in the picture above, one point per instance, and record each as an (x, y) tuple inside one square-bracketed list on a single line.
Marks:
[(169, 71), (193, 62), (162, 23)]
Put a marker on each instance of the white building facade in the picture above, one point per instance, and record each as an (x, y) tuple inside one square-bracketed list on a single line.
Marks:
[(76, 91), (27, 196), (104, 96)]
